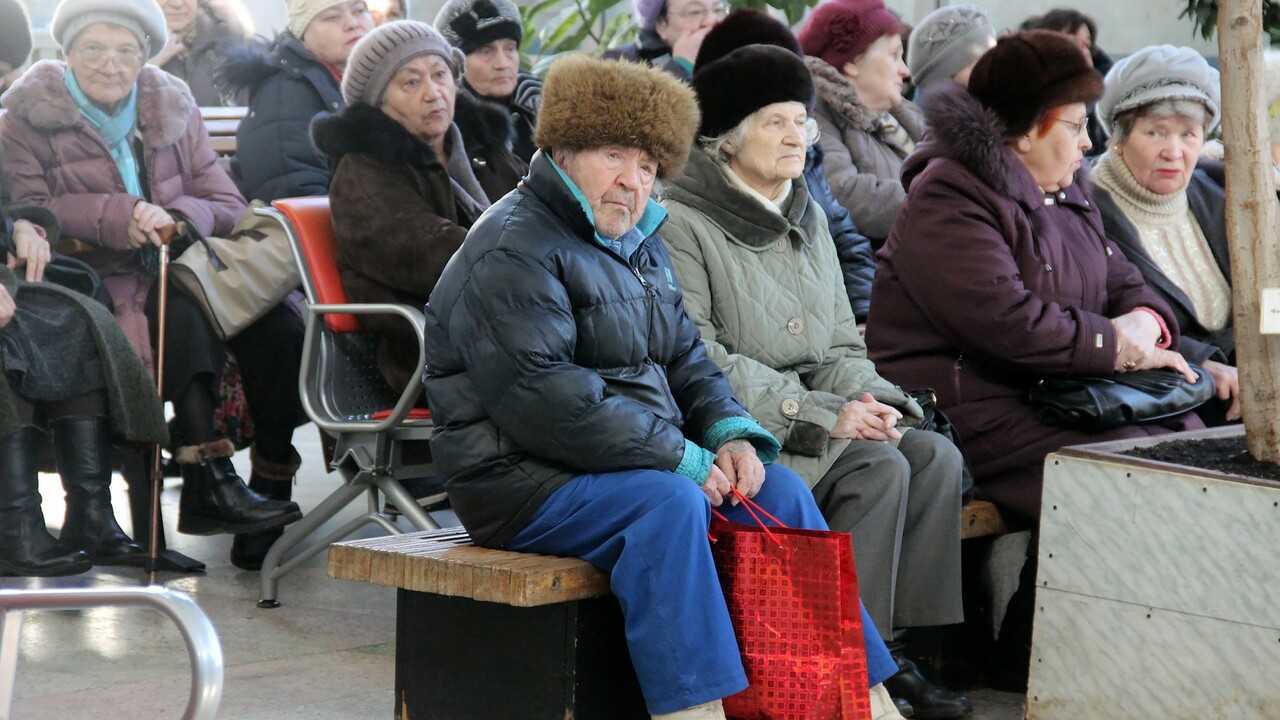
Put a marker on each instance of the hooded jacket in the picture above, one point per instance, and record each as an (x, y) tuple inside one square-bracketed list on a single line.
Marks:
[(863, 161), (765, 292), (987, 283), (54, 158), (287, 87), (550, 356), (397, 219)]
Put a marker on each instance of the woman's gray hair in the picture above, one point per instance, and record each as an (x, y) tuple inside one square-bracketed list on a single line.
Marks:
[(715, 146), (1193, 110)]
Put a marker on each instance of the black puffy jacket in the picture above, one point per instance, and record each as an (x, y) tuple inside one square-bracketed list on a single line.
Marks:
[(549, 356), (275, 157), (857, 262)]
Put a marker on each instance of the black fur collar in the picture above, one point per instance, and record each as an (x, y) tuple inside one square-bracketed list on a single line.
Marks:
[(485, 124), (364, 129)]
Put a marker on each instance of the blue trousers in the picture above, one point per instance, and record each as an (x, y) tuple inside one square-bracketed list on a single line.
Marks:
[(648, 530)]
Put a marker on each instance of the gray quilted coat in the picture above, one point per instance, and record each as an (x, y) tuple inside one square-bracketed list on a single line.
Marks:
[(863, 162), (765, 291)]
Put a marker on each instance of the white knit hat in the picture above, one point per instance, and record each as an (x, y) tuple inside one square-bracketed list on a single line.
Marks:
[(377, 56), (143, 18), (302, 12)]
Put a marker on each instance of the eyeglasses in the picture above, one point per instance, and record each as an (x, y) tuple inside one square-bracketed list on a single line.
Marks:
[(1078, 128), (125, 58), (698, 13)]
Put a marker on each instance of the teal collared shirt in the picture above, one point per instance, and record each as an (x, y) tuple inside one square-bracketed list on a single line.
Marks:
[(626, 244)]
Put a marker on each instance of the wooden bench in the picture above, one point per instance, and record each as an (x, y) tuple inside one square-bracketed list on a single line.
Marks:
[(547, 631), (222, 123)]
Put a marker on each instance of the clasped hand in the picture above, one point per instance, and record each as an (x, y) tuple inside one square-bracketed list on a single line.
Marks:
[(1137, 333), (867, 419), (144, 223), (737, 465)]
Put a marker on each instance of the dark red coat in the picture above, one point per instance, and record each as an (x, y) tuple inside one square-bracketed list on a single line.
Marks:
[(987, 283)]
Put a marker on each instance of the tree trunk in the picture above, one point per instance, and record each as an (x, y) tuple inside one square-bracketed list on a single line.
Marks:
[(1251, 219)]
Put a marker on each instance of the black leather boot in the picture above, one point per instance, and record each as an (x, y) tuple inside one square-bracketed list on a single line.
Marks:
[(928, 701), (215, 499), (26, 547), (270, 480), (135, 466), (82, 452)]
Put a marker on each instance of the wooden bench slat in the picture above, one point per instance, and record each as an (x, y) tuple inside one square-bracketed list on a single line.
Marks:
[(980, 518)]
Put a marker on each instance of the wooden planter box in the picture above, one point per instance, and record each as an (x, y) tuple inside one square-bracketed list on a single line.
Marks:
[(1158, 593)]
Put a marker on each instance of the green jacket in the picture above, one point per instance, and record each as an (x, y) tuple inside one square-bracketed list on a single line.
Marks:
[(134, 407), (766, 293)]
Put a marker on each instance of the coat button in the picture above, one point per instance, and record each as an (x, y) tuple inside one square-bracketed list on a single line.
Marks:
[(795, 326), (790, 408), (1062, 196), (780, 245)]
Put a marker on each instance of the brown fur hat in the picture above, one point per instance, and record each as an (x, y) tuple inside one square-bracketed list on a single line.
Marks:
[(589, 102), (1028, 73)]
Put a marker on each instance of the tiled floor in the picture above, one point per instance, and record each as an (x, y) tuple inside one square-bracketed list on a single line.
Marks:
[(327, 654)]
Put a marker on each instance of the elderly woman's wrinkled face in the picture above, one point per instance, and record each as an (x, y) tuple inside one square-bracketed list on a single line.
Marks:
[(1161, 152), (615, 180), (1054, 155), (773, 145), (335, 31), (878, 73), (385, 11), (106, 60), (420, 97), (683, 17), (178, 14), (492, 67)]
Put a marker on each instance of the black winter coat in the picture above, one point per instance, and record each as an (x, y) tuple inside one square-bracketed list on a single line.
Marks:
[(275, 157), (857, 262), (1208, 202), (549, 356)]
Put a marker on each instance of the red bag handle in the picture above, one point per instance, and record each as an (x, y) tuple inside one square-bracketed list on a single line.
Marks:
[(753, 508)]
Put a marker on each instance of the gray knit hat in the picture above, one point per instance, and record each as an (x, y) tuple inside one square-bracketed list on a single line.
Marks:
[(376, 58), (143, 18), (471, 24), (1160, 72), (946, 41)]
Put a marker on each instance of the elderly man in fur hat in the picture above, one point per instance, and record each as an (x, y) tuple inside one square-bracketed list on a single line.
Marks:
[(576, 410)]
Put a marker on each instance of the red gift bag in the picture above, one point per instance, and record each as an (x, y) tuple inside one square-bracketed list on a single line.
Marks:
[(793, 601)]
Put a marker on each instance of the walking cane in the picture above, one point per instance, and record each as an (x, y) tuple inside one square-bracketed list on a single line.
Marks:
[(166, 233)]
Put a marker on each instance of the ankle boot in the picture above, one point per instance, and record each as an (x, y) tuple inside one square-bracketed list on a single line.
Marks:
[(82, 452), (270, 480), (26, 547), (928, 701), (215, 499), (135, 466)]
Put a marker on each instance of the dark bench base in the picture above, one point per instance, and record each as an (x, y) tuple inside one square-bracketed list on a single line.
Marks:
[(463, 659)]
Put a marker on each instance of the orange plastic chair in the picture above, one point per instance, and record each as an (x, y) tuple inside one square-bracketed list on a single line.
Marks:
[(346, 396)]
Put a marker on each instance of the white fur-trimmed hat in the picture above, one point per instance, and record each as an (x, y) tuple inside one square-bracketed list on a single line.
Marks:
[(143, 18)]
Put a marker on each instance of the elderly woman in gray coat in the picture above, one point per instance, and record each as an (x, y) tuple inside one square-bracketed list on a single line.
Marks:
[(855, 55), (762, 281)]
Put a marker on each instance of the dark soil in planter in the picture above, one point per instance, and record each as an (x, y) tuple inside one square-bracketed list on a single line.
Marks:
[(1225, 455)]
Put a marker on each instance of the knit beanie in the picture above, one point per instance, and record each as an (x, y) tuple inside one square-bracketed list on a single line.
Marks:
[(590, 102), (647, 12), (143, 18), (741, 28), (747, 79), (377, 56), (302, 12), (15, 33), (1160, 72), (471, 24), (1028, 73), (840, 30), (946, 41)]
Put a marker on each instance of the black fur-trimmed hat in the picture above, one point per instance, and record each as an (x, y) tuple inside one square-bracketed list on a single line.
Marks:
[(747, 79), (1028, 73), (471, 24), (741, 28), (15, 33), (588, 102)]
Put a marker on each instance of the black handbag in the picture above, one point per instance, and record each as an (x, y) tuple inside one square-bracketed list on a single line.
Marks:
[(935, 421), (1094, 404)]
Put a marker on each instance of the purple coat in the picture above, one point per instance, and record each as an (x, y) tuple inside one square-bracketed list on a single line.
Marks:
[(54, 158), (986, 284)]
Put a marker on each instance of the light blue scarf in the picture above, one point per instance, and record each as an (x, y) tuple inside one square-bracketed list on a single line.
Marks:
[(115, 129)]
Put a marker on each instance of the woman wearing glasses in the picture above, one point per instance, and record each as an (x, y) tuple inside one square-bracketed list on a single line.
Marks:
[(671, 33), (998, 273), (117, 151)]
